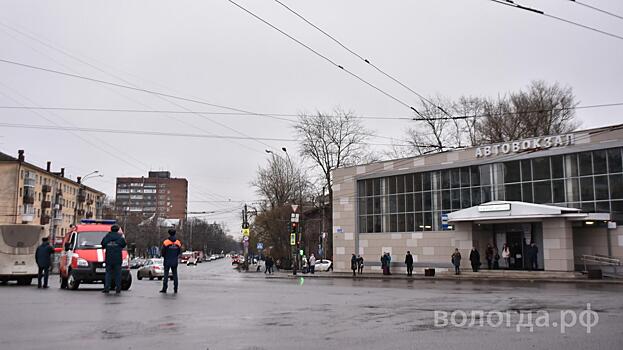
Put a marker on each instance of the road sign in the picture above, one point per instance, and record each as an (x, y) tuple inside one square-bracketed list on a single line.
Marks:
[(245, 232), (260, 246), (245, 238), (444, 221), (246, 244), (292, 238), (294, 207), (294, 217)]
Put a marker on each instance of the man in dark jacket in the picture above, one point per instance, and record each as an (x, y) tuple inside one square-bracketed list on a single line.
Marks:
[(409, 263), (171, 250), (353, 264), (43, 257), (113, 243), (474, 258)]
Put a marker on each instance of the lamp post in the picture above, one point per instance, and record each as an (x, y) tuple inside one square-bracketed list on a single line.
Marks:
[(80, 180)]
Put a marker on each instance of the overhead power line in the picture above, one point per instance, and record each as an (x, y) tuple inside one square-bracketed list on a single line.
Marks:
[(597, 9), (100, 81), (511, 3), (290, 117), (309, 48), (164, 133), (366, 60)]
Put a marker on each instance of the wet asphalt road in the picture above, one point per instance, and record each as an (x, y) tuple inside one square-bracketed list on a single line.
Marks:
[(219, 308)]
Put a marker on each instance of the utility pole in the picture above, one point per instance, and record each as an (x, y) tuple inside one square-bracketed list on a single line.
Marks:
[(245, 237)]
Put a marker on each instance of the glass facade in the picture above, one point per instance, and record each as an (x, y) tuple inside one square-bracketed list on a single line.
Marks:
[(591, 181)]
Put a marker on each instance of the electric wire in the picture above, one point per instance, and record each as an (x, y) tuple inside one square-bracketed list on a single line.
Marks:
[(597, 9)]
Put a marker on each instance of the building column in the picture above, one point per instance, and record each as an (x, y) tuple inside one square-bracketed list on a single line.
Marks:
[(558, 245)]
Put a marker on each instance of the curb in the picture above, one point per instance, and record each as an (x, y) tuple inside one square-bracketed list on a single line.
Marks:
[(450, 278)]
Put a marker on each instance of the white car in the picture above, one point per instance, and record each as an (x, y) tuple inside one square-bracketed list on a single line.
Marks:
[(191, 261), (323, 265)]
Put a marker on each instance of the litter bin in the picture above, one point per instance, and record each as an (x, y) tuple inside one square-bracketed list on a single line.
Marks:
[(595, 275), (429, 272)]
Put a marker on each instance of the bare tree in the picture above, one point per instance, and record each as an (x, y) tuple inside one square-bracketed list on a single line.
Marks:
[(332, 141), (542, 109), (281, 182)]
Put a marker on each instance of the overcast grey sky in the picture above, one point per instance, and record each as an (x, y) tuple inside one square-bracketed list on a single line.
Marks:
[(213, 51)]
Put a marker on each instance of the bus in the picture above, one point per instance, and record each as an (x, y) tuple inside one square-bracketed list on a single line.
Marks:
[(18, 243)]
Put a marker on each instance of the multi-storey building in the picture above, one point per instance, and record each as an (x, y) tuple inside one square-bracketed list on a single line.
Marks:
[(33, 195), (157, 195)]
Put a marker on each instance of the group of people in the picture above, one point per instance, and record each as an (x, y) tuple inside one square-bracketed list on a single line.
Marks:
[(492, 256), (309, 264), (356, 264), (114, 243)]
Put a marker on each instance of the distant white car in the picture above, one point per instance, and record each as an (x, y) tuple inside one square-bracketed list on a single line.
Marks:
[(191, 261), (323, 265)]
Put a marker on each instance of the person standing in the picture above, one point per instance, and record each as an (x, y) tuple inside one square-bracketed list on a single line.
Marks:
[(496, 257), (388, 259), (43, 257), (474, 258), (312, 263), (269, 265), (531, 254), (409, 263), (113, 243), (384, 263), (170, 251), (456, 261), (489, 256), (359, 264), (353, 264), (506, 255)]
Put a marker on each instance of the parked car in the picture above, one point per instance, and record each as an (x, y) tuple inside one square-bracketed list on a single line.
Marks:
[(191, 261), (323, 265), (137, 263), (153, 268)]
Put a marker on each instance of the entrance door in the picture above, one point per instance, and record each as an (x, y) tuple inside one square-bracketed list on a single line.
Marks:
[(515, 242)]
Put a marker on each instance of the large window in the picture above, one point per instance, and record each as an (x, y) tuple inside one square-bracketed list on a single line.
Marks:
[(591, 181)]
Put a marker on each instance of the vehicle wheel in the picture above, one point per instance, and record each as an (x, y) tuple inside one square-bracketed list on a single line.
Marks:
[(139, 276), (63, 283), (125, 285), (27, 281), (72, 282), (159, 278), (151, 278)]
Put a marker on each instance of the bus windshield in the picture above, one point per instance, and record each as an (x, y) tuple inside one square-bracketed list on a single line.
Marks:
[(90, 239)]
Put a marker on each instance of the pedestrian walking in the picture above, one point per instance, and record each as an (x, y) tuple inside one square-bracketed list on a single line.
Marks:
[(353, 264), (170, 251), (489, 256), (409, 263), (456, 261), (43, 257), (312, 263), (506, 255), (359, 264), (113, 243), (474, 258)]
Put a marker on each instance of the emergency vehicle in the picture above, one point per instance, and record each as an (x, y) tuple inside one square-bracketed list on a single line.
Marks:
[(82, 258)]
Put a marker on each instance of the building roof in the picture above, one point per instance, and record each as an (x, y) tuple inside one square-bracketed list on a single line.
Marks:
[(484, 160), (513, 210), (10, 159)]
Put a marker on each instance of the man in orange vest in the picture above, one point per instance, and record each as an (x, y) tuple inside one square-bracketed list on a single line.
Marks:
[(171, 250)]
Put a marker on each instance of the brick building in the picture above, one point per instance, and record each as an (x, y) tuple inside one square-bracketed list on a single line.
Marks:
[(33, 195), (156, 195)]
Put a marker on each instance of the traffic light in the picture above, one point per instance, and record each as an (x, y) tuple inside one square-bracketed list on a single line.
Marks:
[(293, 227)]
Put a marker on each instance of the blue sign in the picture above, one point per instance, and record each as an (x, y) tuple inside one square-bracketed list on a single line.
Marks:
[(260, 246), (444, 221)]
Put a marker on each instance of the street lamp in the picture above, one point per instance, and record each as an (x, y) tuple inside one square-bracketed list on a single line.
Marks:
[(80, 181)]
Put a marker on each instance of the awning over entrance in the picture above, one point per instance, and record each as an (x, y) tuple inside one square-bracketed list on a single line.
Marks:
[(512, 210)]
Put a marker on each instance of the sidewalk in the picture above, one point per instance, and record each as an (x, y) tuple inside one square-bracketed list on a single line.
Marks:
[(486, 275)]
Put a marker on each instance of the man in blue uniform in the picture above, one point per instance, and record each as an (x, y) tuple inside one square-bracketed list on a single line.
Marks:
[(114, 243), (171, 250), (43, 256)]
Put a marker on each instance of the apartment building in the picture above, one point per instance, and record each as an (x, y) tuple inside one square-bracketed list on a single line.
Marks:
[(158, 194), (30, 194)]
